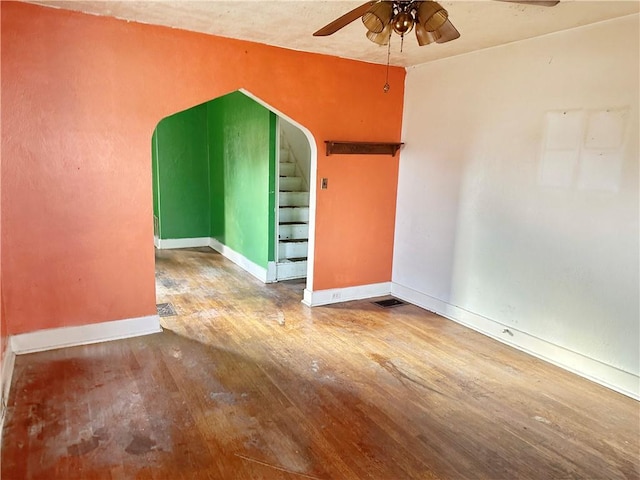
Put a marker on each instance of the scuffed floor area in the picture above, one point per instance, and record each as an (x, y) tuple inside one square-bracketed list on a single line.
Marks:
[(245, 382)]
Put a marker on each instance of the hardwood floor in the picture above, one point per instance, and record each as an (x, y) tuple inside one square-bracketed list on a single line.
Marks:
[(248, 383)]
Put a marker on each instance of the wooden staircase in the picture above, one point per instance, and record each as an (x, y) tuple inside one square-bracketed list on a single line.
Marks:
[(293, 217)]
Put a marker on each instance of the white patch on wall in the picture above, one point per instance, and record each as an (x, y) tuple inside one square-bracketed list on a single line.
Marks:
[(564, 130), (601, 159), (583, 149), (563, 136), (605, 128)]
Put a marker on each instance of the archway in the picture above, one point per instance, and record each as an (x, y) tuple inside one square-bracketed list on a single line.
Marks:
[(215, 182)]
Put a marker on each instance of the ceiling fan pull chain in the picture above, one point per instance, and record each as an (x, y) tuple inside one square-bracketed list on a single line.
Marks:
[(386, 87)]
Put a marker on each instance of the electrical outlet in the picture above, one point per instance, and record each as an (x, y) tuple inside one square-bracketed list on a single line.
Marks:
[(335, 296), (324, 183)]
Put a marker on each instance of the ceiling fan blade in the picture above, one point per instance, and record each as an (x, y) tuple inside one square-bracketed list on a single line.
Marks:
[(540, 3), (447, 32), (344, 20)]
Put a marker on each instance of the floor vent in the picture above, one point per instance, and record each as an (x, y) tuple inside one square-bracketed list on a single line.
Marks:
[(389, 303), (166, 310)]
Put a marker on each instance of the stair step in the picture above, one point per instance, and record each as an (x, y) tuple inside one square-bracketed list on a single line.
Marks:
[(293, 199), (287, 169), (288, 270), (293, 214), (290, 184), (293, 250), (284, 155), (293, 231)]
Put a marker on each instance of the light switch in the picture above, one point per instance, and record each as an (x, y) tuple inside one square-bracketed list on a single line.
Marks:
[(324, 183)]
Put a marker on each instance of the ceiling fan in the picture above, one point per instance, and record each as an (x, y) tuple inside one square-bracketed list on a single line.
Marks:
[(430, 19)]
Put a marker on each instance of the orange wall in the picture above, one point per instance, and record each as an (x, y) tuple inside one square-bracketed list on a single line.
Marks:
[(81, 96), (3, 318)]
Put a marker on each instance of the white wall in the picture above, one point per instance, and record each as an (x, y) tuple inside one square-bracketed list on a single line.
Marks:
[(518, 196), (300, 147)]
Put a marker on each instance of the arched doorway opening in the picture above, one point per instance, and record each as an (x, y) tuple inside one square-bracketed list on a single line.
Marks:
[(226, 175)]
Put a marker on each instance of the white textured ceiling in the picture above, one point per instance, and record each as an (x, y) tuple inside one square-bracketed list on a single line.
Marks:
[(290, 24)]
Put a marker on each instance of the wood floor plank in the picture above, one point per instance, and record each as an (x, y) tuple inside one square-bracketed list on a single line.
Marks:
[(245, 382)]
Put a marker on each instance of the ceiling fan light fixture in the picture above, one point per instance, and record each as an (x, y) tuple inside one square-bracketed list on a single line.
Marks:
[(431, 15), (383, 37), (447, 32), (425, 37), (378, 16), (402, 23)]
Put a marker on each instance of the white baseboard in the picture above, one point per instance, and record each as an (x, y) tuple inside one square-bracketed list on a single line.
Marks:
[(337, 295), (263, 274), (53, 338), (606, 375), (8, 360), (170, 243)]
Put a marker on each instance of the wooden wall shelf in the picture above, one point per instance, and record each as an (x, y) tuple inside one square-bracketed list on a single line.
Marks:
[(361, 148)]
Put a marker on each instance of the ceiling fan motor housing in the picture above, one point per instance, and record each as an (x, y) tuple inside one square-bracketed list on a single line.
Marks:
[(402, 22)]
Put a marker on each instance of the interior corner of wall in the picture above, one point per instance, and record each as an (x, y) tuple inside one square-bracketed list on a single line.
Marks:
[(243, 262)]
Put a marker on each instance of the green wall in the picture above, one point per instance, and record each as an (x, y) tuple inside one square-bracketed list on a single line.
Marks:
[(214, 175), (273, 131), (242, 159), (182, 168)]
